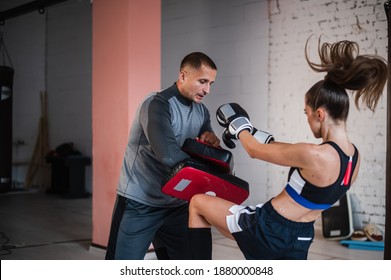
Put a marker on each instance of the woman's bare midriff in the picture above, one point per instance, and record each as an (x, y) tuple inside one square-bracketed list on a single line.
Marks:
[(291, 210)]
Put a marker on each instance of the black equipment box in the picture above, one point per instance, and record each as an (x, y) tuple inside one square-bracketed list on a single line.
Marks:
[(337, 222)]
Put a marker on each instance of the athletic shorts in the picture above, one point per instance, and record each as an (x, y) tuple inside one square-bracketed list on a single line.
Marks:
[(263, 234)]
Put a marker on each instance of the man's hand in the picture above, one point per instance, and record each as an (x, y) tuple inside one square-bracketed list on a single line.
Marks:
[(210, 138)]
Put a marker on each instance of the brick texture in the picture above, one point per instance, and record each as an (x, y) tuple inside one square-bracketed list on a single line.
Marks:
[(291, 23)]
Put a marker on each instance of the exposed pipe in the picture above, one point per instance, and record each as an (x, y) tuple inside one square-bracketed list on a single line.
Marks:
[(38, 5), (387, 234)]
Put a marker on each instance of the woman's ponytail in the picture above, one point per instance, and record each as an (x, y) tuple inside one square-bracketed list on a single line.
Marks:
[(365, 75)]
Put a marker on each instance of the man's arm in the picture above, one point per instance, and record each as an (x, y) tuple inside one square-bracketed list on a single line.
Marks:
[(159, 132), (207, 134)]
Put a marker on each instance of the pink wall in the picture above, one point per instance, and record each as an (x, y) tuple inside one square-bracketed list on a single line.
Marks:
[(126, 67)]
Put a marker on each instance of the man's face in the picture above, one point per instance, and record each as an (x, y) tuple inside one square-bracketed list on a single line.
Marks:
[(194, 84)]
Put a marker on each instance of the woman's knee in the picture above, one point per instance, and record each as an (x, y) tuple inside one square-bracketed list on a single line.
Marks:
[(195, 202), (196, 218), (198, 201)]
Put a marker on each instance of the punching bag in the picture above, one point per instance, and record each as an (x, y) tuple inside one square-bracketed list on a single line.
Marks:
[(6, 82)]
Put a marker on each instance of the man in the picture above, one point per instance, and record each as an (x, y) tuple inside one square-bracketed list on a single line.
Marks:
[(143, 214)]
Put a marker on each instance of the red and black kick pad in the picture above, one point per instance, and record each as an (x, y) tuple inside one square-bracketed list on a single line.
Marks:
[(216, 156), (192, 177)]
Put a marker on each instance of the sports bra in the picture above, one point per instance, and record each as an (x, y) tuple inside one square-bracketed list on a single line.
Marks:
[(314, 197)]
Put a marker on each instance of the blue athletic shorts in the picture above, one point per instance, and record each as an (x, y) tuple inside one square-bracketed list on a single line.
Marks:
[(263, 234)]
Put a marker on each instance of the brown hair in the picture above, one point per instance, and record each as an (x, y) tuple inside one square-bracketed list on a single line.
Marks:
[(365, 75)]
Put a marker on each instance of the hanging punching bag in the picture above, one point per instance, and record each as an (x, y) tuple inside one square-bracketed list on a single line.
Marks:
[(6, 82)]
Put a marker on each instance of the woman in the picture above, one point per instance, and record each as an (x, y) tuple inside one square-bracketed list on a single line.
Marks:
[(320, 175)]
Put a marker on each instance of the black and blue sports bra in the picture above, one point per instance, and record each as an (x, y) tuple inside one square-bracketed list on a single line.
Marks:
[(321, 198)]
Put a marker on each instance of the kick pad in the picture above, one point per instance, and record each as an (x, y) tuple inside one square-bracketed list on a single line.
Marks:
[(217, 156), (192, 177)]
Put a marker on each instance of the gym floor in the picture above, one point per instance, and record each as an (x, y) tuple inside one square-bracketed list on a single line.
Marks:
[(37, 226)]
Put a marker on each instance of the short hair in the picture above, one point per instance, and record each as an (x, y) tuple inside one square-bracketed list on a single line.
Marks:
[(196, 59)]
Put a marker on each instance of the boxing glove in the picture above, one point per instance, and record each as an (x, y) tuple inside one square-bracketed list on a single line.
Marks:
[(238, 125), (262, 136), (226, 113), (227, 139)]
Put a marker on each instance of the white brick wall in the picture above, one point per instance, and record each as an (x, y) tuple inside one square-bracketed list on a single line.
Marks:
[(291, 23)]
